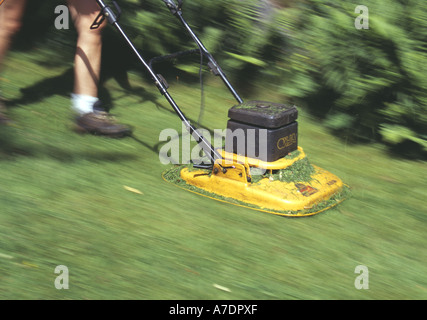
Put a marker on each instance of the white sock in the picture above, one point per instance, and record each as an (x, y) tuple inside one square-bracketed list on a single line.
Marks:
[(82, 104)]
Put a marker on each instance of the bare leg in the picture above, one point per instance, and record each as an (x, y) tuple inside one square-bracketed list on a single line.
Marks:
[(87, 69), (87, 61)]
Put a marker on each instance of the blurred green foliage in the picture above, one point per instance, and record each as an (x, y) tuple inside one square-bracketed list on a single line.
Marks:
[(365, 85)]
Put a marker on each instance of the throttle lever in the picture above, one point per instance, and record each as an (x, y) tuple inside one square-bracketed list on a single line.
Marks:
[(174, 9), (107, 12)]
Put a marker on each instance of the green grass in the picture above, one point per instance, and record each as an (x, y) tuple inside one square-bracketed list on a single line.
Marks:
[(64, 201)]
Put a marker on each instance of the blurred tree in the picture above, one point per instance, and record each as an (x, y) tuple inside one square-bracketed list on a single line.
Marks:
[(366, 84)]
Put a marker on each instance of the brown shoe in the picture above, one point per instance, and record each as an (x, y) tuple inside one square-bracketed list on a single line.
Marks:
[(101, 123)]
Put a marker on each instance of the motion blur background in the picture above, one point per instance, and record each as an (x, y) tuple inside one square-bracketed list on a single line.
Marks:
[(100, 207), (365, 85)]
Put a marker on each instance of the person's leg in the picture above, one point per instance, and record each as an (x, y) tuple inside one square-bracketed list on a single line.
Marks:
[(87, 61), (10, 22), (87, 69)]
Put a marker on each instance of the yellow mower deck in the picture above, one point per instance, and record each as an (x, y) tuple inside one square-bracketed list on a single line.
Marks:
[(230, 181)]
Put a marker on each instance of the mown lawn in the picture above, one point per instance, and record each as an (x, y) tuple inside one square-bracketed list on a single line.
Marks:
[(66, 199)]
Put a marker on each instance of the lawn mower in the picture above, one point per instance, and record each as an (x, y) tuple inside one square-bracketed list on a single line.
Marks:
[(260, 165)]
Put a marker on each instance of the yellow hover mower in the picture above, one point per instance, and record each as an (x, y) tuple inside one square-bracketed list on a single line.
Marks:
[(261, 165)]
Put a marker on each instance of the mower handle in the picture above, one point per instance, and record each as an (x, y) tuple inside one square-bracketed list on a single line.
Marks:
[(208, 149), (106, 12), (176, 10), (173, 7)]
